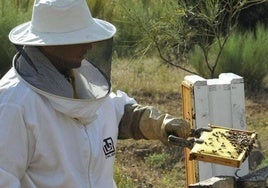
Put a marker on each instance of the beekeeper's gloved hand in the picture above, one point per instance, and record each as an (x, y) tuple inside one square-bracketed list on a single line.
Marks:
[(146, 122), (191, 140)]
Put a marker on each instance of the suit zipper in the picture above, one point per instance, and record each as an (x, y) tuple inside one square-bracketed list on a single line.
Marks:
[(89, 157)]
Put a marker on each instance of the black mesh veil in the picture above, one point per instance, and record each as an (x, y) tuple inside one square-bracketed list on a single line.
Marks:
[(100, 55)]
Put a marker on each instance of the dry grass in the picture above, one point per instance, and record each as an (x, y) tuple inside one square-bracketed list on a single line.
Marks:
[(150, 82), (148, 75)]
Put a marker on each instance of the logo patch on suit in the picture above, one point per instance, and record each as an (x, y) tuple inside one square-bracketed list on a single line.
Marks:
[(108, 147)]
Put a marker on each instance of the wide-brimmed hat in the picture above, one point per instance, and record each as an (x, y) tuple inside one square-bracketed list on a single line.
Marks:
[(61, 22)]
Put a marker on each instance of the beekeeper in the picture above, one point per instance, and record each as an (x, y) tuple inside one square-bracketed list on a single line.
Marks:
[(59, 119)]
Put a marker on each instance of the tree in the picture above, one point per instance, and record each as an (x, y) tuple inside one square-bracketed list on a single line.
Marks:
[(190, 23)]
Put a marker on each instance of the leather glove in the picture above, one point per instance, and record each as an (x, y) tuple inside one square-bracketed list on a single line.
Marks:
[(148, 123)]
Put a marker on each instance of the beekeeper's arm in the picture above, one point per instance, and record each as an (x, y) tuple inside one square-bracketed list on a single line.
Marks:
[(146, 122), (13, 146)]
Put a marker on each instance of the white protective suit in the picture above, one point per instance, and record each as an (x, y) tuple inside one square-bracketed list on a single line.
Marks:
[(53, 140)]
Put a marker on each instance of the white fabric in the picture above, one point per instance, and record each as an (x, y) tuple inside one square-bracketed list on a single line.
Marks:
[(43, 145), (57, 22)]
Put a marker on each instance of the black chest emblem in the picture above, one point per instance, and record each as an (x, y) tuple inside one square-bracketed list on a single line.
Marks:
[(108, 147)]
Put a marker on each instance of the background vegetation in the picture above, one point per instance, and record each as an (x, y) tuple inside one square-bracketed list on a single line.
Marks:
[(12, 13), (158, 42), (244, 54), (189, 35)]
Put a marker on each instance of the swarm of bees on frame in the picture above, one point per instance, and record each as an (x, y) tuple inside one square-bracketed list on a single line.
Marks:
[(227, 143)]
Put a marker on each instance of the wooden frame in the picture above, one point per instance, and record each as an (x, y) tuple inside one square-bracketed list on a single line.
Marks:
[(188, 114)]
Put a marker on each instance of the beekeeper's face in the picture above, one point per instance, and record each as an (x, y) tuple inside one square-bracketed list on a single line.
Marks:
[(66, 57)]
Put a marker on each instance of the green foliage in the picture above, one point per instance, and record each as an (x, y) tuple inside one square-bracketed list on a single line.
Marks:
[(161, 29), (121, 180), (174, 177), (119, 13), (184, 24), (132, 20), (244, 54), (12, 13), (252, 61), (172, 27), (102, 9), (157, 160)]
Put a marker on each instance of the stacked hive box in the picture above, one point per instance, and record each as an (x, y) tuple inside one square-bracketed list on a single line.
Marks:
[(218, 101)]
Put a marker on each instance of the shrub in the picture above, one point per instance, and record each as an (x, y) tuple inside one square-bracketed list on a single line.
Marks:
[(244, 54), (12, 13)]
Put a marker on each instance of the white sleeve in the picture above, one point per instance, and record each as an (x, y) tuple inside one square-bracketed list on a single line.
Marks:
[(120, 99), (13, 146)]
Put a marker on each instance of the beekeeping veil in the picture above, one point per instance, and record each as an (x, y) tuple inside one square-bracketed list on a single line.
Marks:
[(101, 55)]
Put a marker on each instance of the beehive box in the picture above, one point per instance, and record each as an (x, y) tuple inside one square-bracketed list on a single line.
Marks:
[(225, 146), (217, 101)]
